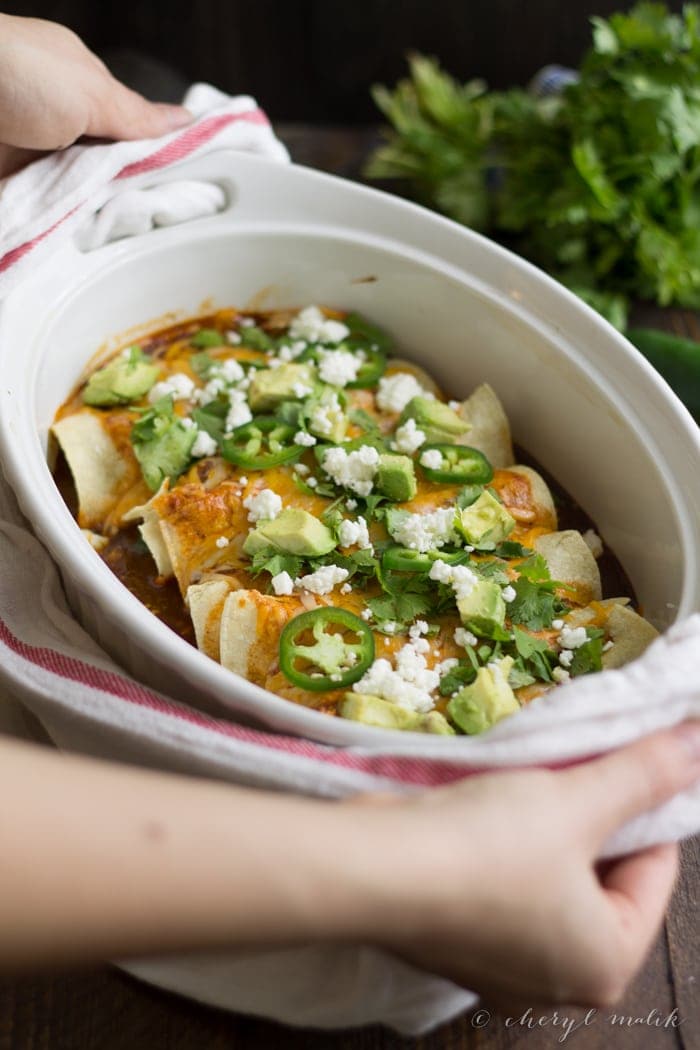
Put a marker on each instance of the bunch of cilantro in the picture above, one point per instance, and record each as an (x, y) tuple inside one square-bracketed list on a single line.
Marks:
[(598, 185)]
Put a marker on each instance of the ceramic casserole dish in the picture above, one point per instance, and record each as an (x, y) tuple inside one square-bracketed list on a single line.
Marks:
[(579, 397)]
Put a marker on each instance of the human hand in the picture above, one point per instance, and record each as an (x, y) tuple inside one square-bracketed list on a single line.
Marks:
[(53, 89), (494, 882)]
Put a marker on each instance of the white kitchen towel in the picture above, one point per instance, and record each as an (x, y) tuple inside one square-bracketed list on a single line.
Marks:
[(85, 702)]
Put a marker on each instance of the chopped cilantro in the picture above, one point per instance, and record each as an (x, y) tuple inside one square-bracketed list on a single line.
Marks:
[(588, 657), (463, 674), (273, 561), (534, 606), (212, 419), (202, 364), (207, 337)]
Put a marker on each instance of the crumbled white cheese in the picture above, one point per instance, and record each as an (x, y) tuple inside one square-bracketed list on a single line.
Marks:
[(352, 470), (300, 389), (346, 588), (410, 684), (608, 646), (178, 385), (593, 542), (460, 577), (557, 624), (282, 583), (187, 423), (243, 481), (302, 437), (395, 391), (424, 532), (239, 410), (454, 405), (204, 444), (310, 324), (210, 392), (351, 504), (464, 637), (509, 593), (325, 416), (408, 438), (560, 674), (417, 629), (432, 458), (338, 367), (446, 665), (265, 504), (389, 627), (354, 533), (246, 322), (572, 637), (230, 371), (233, 338), (323, 580), (312, 483), (222, 541), (566, 657), (366, 614)]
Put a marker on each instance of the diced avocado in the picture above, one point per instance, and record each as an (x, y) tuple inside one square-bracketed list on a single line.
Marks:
[(326, 418), (484, 608), (167, 453), (436, 419), (396, 478), (373, 711), (270, 386), (487, 700), (126, 378), (294, 532), (485, 521)]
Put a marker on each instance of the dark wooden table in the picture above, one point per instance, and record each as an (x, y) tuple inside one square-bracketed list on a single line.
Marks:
[(101, 1009)]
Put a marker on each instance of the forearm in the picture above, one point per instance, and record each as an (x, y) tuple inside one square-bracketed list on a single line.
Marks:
[(101, 860)]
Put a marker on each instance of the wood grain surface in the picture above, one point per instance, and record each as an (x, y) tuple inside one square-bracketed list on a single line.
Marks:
[(102, 1009)]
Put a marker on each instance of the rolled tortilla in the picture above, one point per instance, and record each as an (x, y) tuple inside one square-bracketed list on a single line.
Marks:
[(151, 532), (251, 624), (630, 634), (206, 602), (490, 429), (99, 468), (570, 561)]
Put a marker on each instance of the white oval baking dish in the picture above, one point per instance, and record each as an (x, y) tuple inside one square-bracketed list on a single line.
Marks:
[(580, 398)]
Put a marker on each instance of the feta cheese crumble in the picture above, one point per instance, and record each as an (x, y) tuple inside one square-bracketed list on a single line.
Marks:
[(302, 437), (464, 637), (310, 324), (566, 657), (323, 580), (338, 367), (204, 444), (460, 577), (396, 391), (409, 684), (432, 459), (352, 470), (424, 532), (178, 385), (325, 416), (263, 505), (230, 371), (572, 637), (560, 674), (354, 534), (239, 410), (222, 542), (509, 593), (282, 583), (408, 438)]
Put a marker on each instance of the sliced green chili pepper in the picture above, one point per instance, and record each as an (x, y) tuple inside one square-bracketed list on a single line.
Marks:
[(262, 443), (330, 662), (404, 559), (459, 463), (370, 371), (207, 337)]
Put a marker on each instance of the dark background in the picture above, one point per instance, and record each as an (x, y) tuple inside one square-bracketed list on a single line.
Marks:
[(314, 60)]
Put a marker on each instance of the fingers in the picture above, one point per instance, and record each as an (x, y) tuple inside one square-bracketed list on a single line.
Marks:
[(120, 113), (609, 791)]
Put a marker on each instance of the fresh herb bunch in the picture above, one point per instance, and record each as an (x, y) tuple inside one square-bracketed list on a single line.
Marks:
[(598, 185)]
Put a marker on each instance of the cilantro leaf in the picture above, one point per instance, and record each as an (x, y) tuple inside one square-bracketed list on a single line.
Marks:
[(273, 561), (588, 657), (212, 419), (452, 681), (533, 606)]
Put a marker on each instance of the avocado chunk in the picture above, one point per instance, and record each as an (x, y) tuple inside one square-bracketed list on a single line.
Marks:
[(487, 700), (484, 608), (167, 453), (373, 711), (270, 386), (437, 420), (396, 478), (485, 521), (127, 378), (294, 532)]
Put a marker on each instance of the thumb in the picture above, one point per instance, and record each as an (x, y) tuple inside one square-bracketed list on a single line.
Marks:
[(609, 791), (121, 113)]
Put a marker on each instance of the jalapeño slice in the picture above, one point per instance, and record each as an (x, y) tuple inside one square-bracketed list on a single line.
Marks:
[(460, 464), (404, 559), (264, 442), (331, 661)]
